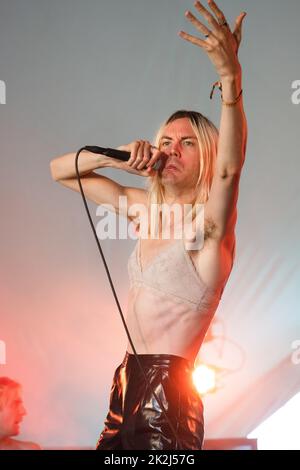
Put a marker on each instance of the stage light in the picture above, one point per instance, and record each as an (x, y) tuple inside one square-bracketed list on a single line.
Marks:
[(219, 357), (204, 378)]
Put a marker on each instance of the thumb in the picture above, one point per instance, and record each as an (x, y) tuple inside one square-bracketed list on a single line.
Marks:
[(150, 171)]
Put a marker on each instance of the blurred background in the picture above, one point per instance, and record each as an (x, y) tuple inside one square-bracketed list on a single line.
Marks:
[(104, 73)]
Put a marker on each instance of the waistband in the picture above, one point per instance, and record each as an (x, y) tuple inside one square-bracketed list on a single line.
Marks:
[(157, 360)]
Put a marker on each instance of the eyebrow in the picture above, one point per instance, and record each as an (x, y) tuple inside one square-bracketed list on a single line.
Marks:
[(182, 138)]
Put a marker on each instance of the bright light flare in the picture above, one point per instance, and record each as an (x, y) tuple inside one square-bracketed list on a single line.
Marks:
[(204, 378)]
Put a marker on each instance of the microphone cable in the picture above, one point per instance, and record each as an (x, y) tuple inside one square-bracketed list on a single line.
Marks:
[(178, 442)]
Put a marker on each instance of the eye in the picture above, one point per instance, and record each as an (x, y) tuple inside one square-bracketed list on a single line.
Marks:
[(165, 143), (188, 142)]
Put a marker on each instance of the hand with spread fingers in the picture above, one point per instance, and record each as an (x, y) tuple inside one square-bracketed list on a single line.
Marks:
[(220, 43)]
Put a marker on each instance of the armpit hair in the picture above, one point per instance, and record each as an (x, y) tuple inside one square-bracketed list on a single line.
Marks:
[(209, 228)]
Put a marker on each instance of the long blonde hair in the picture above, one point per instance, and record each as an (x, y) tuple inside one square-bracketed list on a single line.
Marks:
[(207, 135)]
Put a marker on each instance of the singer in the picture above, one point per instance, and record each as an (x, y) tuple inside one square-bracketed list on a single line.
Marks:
[(174, 290)]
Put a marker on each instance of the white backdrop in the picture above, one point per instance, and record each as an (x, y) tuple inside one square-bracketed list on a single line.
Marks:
[(105, 73)]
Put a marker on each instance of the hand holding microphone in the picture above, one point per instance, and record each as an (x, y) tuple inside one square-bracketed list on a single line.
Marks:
[(139, 157), (142, 154)]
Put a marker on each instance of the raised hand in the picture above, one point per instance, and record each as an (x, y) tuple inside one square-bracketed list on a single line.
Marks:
[(221, 44)]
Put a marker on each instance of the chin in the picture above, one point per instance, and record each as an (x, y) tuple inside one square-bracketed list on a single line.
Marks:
[(170, 175)]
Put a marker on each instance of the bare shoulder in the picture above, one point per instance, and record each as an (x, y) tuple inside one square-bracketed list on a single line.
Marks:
[(32, 446), (27, 445), (15, 444)]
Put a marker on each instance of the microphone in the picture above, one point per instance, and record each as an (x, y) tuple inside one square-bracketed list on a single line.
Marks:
[(114, 153)]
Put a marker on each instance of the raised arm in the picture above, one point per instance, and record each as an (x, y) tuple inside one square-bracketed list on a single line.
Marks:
[(221, 46)]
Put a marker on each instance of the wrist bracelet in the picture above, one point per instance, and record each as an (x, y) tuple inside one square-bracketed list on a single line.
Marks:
[(226, 103)]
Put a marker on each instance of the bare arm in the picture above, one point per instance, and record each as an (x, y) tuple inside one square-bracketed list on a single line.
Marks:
[(233, 129), (221, 46), (142, 155), (99, 188), (63, 167)]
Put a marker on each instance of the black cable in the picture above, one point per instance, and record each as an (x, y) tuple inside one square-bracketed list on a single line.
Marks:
[(118, 304)]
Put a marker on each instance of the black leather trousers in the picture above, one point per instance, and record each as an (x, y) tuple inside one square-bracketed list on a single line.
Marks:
[(135, 419)]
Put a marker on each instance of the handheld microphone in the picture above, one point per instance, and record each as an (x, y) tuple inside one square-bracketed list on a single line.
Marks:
[(114, 153)]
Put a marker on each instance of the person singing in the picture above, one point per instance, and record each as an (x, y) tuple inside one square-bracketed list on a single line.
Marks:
[(175, 285)]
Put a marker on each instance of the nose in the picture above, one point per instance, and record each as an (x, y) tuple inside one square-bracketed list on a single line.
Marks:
[(23, 410), (174, 149)]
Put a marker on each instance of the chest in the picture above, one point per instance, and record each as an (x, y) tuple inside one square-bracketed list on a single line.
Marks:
[(213, 262)]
